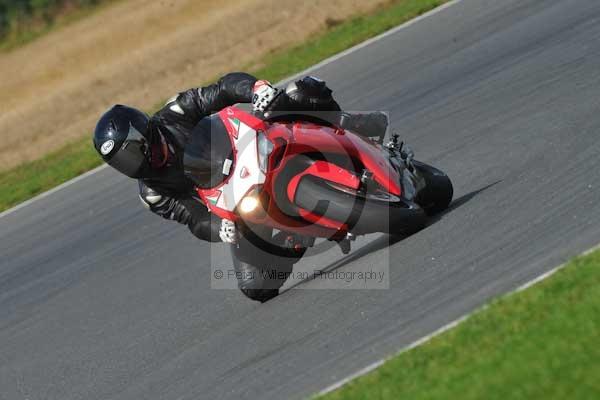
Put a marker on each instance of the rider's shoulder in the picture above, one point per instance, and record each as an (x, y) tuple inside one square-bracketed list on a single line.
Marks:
[(176, 104)]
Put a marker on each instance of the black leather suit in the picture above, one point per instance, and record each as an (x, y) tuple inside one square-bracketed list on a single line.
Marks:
[(167, 192)]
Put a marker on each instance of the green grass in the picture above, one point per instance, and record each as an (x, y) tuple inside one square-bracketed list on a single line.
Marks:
[(341, 36), (542, 343), (24, 23), (29, 179)]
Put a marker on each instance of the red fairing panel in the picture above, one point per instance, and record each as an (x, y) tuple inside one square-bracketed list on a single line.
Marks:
[(248, 119), (311, 138), (211, 196), (326, 171), (330, 172), (291, 139)]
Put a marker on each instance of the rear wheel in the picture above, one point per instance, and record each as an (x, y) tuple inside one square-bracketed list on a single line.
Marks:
[(437, 194)]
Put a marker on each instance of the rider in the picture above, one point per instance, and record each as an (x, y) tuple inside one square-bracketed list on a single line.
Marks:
[(151, 149)]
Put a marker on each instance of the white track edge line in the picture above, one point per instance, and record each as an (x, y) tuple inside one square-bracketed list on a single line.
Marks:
[(447, 327), (53, 190), (304, 72), (382, 361), (376, 38)]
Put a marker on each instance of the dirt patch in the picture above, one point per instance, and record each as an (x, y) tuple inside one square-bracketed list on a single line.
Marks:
[(137, 52)]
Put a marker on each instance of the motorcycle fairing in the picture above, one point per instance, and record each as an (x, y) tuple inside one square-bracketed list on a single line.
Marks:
[(310, 138), (244, 173), (300, 138)]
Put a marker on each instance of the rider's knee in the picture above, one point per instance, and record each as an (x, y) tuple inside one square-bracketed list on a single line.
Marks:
[(261, 295), (261, 283)]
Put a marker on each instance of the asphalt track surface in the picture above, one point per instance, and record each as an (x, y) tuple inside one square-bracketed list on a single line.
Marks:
[(99, 299)]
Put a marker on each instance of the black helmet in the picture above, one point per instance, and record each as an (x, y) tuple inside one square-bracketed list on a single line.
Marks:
[(121, 139)]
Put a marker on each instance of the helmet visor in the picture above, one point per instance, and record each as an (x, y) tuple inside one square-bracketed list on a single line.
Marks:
[(132, 158)]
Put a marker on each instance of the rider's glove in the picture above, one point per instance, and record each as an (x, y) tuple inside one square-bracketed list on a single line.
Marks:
[(228, 232), (165, 206), (263, 95), (186, 210)]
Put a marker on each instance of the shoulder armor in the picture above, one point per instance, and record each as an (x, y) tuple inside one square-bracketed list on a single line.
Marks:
[(174, 105)]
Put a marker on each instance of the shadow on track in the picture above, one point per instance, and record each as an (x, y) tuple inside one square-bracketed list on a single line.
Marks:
[(462, 200), (387, 240)]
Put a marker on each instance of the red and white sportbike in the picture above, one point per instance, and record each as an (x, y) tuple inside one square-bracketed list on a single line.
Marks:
[(306, 180)]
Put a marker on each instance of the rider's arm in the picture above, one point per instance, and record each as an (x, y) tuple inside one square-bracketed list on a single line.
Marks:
[(189, 107), (165, 206), (190, 212), (232, 88)]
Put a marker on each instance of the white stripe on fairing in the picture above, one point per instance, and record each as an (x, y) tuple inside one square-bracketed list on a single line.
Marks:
[(444, 328), (306, 71)]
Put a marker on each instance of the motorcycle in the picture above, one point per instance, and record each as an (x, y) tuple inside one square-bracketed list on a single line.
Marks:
[(285, 183)]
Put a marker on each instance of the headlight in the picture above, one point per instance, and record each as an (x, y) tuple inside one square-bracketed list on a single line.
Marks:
[(253, 204), (265, 147), (249, 204)]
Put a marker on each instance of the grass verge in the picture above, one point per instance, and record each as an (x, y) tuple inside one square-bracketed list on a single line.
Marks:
[(29, 179), (542, 343), (34, 26)]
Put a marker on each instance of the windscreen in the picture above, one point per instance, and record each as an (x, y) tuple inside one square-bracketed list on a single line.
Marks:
[(206, 152)]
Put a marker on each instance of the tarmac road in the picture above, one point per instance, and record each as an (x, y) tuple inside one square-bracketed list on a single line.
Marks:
[(99, 299)]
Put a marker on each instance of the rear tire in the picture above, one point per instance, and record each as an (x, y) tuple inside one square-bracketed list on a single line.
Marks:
[(438, 191)]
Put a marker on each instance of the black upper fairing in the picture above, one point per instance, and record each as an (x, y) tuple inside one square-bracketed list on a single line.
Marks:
[(206, 152)]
